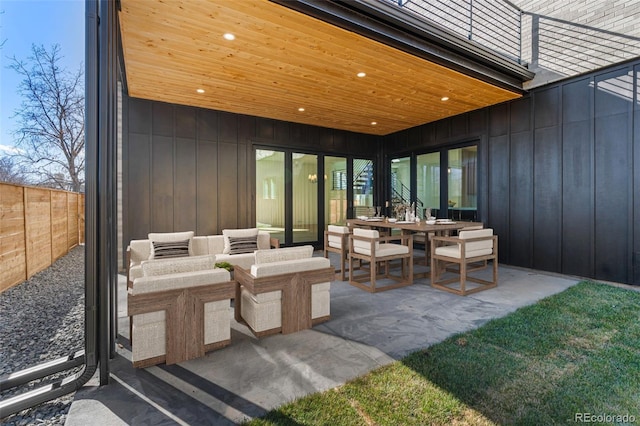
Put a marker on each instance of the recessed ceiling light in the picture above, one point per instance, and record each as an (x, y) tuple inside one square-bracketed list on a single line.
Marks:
[(444, 98), (361, 74), (301, 109), (373, 123), (200, 90), (229, 36)]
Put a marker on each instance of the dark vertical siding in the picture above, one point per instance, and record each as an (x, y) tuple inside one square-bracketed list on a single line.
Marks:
[(185, 199), (139, 184), (613, 172), (521, 185), (499, 192), (577, 178)]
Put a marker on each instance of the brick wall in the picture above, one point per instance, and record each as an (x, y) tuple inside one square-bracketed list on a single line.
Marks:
[(563, 38)]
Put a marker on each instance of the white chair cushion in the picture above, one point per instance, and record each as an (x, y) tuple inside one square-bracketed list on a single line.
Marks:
[(339, 229), (140, 250), (179, 281), (335, 241), (473, 248), (264, 240), (391, 250), (169, 237), (364, 247), (289, 266), (226, 233), (178, 265), (454, 251), (280, 254)]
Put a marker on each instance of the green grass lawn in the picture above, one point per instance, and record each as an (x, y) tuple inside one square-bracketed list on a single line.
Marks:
[(575, 352)]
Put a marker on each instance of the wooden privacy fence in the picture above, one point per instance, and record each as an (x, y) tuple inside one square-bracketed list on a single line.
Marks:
[(37, 226)]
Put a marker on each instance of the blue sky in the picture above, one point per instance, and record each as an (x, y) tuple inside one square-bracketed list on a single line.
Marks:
[(42, 22)]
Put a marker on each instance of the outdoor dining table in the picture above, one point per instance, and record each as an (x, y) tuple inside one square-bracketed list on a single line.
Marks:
[(440, 228)]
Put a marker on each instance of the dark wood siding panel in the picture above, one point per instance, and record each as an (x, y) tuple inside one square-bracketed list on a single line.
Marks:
[(499, 193), (459, 126), (227, 126), (613, 174), (207, 125), (614, 92), (577, 100), (139, 185), (577, 198), (521, 199), (443, 130), (613, 169), (265, 128), (163, 124), (499, 120), (139, 116), (547, 199), (162, 175), (478, 121), (520, 115), (245, 201), (207, 189), (184, 204), (228, 186), (547, 107), (185, 122)]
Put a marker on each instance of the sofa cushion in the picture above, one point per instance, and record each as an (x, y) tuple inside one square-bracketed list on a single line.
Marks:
[(248, 232), (240, 245), (177, 266), (289, 266), (169, 237), (178, 281), (280, 254), (264, 240)]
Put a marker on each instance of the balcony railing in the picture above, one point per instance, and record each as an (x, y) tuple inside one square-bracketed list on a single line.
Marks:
[(494, 24)]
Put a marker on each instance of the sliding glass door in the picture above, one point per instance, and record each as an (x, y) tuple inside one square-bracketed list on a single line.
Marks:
[(270, 194), (445, 181), (304, 200), (462, 183), (428, 182), (335, 190)]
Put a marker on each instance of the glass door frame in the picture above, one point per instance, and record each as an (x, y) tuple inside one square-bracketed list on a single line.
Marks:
[(288, 188), (443, 209)]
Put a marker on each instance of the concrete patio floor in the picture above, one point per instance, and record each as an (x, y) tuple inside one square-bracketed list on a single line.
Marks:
[(252, 376)]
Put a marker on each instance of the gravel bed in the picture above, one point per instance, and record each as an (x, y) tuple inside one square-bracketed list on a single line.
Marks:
[(42, 320)]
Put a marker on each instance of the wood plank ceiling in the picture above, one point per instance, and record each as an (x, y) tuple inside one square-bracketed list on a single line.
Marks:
[(281, 61)]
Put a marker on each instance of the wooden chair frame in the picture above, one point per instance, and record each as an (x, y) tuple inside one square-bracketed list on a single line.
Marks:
[(406, 277), (296, 296), (462, 270), (342, 252), (184, 323)]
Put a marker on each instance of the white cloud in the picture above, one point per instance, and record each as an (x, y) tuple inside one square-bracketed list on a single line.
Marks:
[(10, 149)]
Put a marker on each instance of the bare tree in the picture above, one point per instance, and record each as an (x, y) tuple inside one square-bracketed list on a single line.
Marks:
[(51, 120), (11, 173)]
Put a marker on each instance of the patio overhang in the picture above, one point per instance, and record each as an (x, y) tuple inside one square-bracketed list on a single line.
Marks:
[(293, 55)]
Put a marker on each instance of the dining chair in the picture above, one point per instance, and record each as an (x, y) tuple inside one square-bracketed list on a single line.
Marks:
[(469, 247), (366, 245), (336, 240)]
